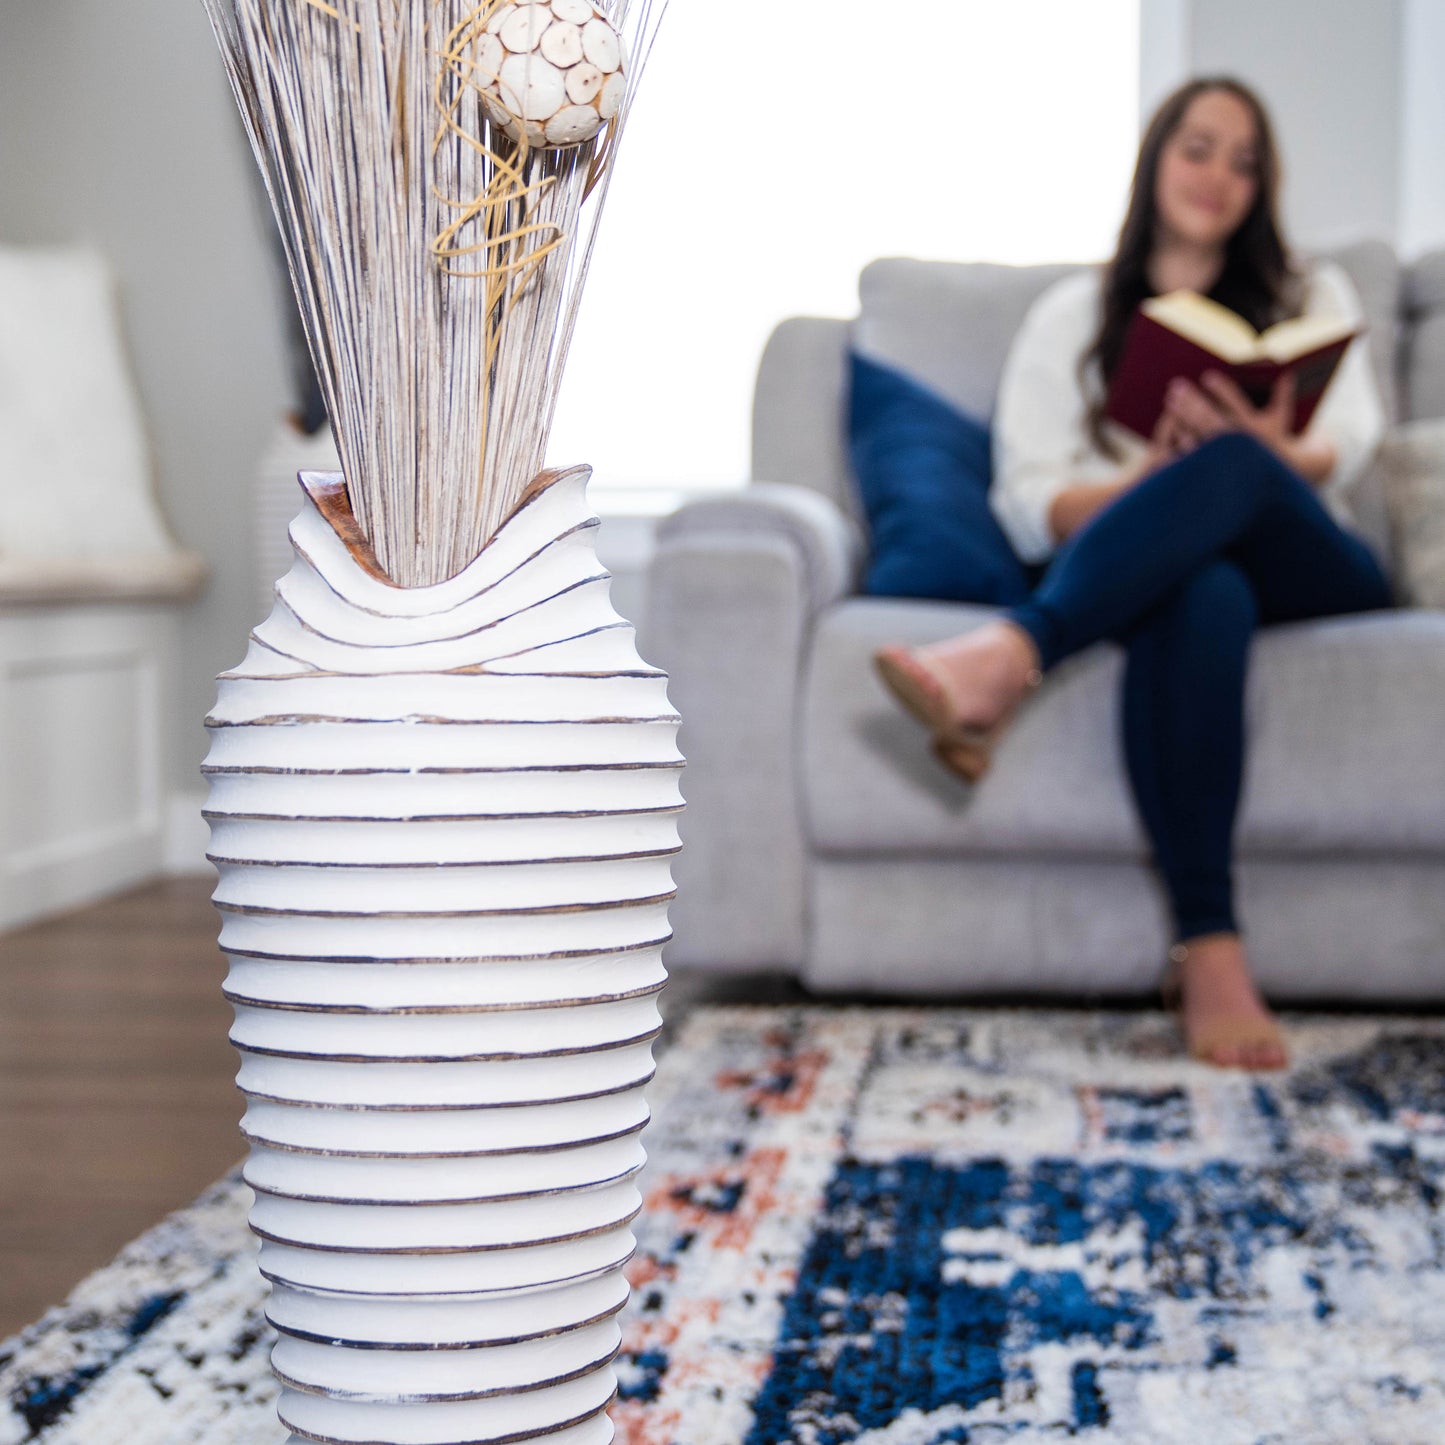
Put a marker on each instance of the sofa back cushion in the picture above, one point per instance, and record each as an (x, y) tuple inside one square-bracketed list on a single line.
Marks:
[(1423, 352), (1375, 269), (950, 324)]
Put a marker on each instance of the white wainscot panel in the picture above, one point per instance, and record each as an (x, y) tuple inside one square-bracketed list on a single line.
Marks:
[(82, 738)]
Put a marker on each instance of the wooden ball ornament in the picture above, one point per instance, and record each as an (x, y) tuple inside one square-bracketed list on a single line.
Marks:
[(554, 70)]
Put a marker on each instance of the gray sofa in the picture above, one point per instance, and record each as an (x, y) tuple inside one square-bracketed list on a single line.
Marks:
[(823, 839)]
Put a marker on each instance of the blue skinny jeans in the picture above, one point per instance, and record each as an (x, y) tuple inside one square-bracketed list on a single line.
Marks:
[(1181, 570)]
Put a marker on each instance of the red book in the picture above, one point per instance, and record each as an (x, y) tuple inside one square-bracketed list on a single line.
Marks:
[(1186, 334)]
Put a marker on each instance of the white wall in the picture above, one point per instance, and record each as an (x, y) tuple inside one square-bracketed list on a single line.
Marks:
[(117, 128), (1422, 171), (1165, 37)]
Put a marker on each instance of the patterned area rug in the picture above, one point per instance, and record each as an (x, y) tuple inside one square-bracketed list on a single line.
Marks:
[(912, 1227)]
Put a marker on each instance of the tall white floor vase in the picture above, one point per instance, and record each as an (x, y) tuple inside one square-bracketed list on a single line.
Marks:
[(443, 819)]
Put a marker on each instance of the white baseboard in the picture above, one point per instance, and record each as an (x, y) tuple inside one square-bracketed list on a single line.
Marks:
[(185, 834)]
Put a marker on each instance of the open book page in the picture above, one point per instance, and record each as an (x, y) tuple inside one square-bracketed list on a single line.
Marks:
[(1302, 334), (1230, 337)]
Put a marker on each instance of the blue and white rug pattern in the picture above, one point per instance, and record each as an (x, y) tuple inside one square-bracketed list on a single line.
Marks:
[(924, 1227)]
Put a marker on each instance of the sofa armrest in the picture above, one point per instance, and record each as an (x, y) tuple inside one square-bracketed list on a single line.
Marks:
[(733, 590), (828, 543)]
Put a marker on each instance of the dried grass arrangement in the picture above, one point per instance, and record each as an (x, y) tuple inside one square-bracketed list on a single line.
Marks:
[(438, 169)]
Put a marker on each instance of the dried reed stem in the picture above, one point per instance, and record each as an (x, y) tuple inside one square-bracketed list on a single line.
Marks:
[(438, 264)]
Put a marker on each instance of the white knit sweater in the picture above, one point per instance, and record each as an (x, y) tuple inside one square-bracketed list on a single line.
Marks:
[(1040, 441)]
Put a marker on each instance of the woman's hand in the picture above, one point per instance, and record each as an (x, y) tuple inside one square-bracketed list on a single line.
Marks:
[(1172, 439), (1218, 405)]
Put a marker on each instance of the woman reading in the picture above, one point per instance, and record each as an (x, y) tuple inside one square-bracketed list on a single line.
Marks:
[(1178, 547)]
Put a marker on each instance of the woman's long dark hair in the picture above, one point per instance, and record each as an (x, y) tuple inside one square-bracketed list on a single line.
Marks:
[(1259, 280)]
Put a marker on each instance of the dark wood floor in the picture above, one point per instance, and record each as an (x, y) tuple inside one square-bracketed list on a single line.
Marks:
[(117, 1094), (117, 1100)]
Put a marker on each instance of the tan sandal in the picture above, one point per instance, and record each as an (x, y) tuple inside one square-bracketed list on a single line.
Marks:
[(965, 757), (965, 749), (1205, 1044), (916, 686)]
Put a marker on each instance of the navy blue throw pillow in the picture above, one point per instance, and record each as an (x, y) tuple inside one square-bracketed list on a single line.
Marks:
[(923, 470)]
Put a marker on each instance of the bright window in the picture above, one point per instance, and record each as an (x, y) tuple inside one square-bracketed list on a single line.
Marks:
[(761, 173)]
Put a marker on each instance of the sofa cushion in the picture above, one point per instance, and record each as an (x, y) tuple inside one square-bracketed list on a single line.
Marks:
[(1346, 718), (1374, 269), (1411, 467), (923, 469), (1424, 358)]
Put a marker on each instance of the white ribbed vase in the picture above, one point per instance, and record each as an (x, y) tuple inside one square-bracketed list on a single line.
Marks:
[(443, 819)]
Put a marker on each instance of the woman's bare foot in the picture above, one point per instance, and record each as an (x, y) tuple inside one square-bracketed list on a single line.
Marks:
[(1225, 1021)]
